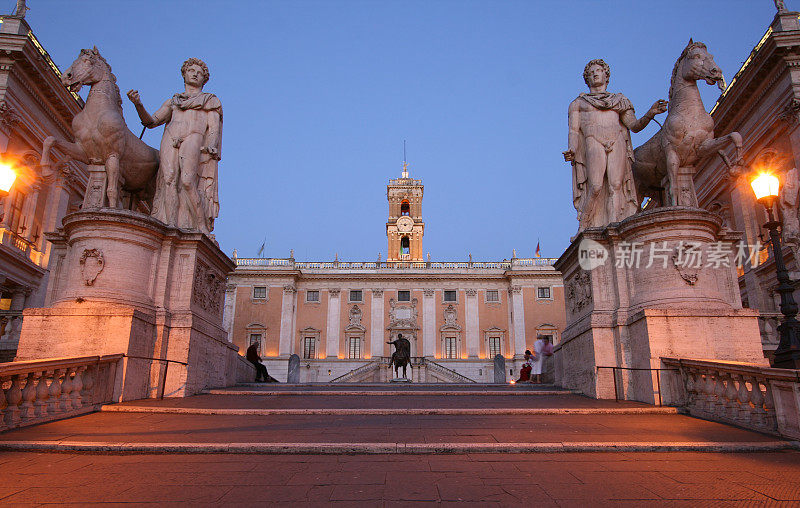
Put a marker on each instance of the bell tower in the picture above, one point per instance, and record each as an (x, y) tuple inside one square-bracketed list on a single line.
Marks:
[(404, 228)]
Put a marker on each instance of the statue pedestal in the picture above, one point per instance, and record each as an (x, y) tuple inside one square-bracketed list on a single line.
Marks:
[(401, 380), (623, 313), (122, 282)]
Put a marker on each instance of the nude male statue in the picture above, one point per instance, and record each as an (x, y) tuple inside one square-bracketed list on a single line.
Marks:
[(600, 150), (186, 189)]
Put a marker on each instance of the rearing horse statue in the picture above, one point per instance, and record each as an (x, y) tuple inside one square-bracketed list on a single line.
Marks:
[(101, 135), (687, 135)]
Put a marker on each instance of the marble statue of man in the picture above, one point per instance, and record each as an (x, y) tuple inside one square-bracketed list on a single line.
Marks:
[(186, 187), (600, 150)]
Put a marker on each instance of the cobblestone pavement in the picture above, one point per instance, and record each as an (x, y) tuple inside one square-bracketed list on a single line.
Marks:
[(562, 479)]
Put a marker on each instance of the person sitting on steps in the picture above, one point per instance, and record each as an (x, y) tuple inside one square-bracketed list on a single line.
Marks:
[(261, 370)]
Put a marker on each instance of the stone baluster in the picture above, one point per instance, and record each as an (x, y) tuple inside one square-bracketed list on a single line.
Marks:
[(743, 396), (42, 393), (28, 396), (66, 390), (77, 386), (54, 392), (769, 408), (88, 384), (718, 407), (708, 392), (13, 398), (3, 406), (757, 399), (731, 400)]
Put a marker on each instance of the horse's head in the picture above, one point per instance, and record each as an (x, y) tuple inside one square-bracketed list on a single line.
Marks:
[(87, 69), (697, 63)]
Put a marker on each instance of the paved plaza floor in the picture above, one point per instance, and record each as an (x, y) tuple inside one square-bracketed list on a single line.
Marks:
[(312, 446)]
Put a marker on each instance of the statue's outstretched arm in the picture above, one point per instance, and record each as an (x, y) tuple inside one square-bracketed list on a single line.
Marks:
[(159, 117), (630, 121)]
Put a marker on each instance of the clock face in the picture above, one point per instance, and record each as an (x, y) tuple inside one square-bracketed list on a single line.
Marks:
[(404, 224)]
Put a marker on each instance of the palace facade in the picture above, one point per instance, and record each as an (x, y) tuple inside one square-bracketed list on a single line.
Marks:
[(762, 103), (338, 316), (33, 105)]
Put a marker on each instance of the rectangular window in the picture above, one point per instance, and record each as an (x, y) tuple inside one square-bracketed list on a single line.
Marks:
[(309, 348), (355, 295), (450, 347), (404, 296), (256, 337), (259, 292), (543, 293), (355, 347), (312, 296), (494, 346), (492, 295), (450, 295)]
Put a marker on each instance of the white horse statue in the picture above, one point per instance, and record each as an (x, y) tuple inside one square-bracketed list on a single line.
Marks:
[(687, 135), (101, 135)]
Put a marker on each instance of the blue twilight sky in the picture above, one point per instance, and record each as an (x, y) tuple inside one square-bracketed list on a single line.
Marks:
[(318, 96)]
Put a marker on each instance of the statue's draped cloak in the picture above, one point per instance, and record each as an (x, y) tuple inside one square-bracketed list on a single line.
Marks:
[(603, 101)]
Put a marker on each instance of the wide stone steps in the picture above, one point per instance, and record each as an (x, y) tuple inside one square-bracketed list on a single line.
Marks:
[(386, 419)]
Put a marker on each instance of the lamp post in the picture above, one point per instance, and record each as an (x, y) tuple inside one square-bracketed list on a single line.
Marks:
[(787, 356), (7, 177)]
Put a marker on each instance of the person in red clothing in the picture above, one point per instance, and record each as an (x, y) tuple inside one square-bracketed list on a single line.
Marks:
[(261, 369), (525, 371)]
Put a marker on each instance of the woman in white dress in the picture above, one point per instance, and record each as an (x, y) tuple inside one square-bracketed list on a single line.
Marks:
[(538, 360)]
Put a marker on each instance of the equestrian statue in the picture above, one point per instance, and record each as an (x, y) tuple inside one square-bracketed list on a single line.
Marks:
[(102, 137), (401, 356), (686, 137)]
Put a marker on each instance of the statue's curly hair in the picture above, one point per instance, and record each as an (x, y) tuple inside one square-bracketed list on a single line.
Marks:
[(601, 63), (196, 61)]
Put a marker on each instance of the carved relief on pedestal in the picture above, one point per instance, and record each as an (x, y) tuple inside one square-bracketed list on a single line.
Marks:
[(684, 262), (92, 263), (579, 291), (209, 289)]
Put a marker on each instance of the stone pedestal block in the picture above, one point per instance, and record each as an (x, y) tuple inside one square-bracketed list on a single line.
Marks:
[(659, 284), (122, 282)]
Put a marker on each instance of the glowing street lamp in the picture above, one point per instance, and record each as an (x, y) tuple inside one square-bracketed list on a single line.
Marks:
[(766, 188), (7, 177)]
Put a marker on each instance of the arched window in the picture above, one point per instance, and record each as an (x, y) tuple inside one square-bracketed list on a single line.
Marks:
[(404, 245), (405, 208)]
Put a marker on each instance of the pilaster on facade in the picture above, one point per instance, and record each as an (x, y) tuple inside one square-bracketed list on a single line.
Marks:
[(429, 323), (333, 324), (376, 323), (518, 318), (287, 320), (472, 323)]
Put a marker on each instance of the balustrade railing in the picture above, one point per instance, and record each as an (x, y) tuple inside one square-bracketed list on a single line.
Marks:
[(758, 398), (42, 390), (289, 263), (449, 372)]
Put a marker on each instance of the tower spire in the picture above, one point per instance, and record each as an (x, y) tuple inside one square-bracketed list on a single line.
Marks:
[(405, 163)]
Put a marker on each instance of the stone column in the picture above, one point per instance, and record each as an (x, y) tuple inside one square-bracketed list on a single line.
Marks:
[(376, 324), (515, 292), (287, 321), (56, 208), (332, 335), (229, 311), (471, 317), (428, 323)]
